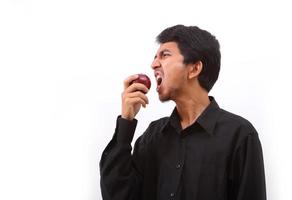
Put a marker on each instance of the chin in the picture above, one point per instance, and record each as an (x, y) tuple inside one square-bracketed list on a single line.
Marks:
[(163, 98), (167, 94)]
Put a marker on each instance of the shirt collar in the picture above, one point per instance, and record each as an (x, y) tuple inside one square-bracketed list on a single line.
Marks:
[(209, 116), (207, 120)]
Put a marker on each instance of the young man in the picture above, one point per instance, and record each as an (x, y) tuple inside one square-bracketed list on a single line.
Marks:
[(201, 151)]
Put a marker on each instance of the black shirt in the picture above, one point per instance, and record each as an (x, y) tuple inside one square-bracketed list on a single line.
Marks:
[(219, 157)]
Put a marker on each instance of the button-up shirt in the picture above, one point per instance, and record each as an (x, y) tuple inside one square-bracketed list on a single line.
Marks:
[(218, 157)]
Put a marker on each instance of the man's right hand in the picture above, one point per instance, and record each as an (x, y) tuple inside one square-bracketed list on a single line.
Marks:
[(133, 97)]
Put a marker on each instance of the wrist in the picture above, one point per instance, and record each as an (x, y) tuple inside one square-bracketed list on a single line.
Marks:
[(127, 117), (125, 130)]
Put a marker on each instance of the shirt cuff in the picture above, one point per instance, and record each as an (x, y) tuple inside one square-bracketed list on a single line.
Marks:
[(125, 130)]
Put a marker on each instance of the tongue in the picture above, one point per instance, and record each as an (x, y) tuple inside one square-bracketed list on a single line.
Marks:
[(159, 80)]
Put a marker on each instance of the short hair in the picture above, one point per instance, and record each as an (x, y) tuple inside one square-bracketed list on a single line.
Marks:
[(195, 45)]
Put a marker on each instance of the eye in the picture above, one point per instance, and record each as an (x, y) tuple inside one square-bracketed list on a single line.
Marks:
[(165, 54)]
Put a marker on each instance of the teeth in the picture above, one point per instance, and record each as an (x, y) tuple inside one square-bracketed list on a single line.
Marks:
[(158, 77)]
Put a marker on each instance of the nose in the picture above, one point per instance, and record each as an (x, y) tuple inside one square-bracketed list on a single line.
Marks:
[(155, 64)]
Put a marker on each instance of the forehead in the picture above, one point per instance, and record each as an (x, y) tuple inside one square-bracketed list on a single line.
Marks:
[(169, 46)]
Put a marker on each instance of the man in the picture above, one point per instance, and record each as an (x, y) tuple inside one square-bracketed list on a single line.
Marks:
[(201, 151)]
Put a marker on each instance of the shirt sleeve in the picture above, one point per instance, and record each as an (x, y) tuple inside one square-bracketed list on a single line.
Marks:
[(247, 173), (120, 172)]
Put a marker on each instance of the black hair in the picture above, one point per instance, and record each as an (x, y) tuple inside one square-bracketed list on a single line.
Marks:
[(195, 45)]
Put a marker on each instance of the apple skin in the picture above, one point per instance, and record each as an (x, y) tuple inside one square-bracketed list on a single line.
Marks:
[(144, 79)]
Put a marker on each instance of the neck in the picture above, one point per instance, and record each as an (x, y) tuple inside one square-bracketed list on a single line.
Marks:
[(191, 107)]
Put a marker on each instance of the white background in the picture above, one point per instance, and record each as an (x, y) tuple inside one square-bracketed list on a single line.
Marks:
[(62, 64)]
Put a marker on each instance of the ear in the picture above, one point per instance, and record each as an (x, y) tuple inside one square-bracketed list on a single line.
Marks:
[(195, 69)]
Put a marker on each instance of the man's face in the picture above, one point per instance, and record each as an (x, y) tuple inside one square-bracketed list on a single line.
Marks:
[(170, 71)]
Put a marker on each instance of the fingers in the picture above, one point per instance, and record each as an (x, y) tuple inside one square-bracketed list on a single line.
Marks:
[(136, 101), (129, 80), (140, 95), (137, 87), (129, 87), (135, 97)]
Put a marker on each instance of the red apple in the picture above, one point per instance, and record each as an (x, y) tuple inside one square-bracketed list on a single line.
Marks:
[(144, 79)]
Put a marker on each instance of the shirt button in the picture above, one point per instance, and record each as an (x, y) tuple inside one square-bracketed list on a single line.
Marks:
[(178, 166), (172, 194)]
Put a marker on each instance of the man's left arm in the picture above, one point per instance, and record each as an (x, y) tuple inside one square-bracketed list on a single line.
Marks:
[(247, 174)]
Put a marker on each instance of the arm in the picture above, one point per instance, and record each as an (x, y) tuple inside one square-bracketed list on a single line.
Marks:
[(247, 173), (121, 173)]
